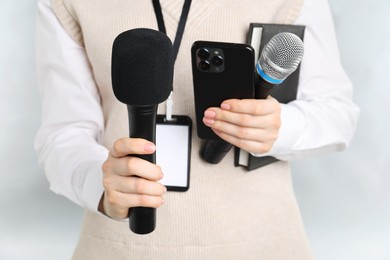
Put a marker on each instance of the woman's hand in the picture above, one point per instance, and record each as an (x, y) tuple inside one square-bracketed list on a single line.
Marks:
[(250, 124), (130, 181)]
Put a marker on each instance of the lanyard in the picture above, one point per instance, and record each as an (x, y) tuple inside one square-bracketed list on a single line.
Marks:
[(181, 26), (177, 41)]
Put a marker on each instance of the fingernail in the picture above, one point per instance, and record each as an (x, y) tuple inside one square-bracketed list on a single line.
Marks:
[(208, 121), (209, 114), (225, 106), (149, 147)]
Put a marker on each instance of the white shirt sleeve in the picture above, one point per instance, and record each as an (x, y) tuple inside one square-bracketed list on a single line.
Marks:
[(72, 119), (323, 118)]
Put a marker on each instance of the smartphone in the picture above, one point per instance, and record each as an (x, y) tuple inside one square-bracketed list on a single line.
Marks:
[(220, 71)]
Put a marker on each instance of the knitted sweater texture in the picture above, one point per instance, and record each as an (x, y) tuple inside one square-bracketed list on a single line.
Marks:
[(227, 213)]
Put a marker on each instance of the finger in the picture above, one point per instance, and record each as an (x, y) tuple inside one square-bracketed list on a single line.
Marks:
[(134, 166), (251, 106), (250, 133), (124, 201), (212, 115), (125, 146), (245, 144), (134, 185), (243, 120)]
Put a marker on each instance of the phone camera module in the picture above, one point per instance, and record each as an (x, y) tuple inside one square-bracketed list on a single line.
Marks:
[(217, 60), (210, 59), (203, 54), (204, 65)]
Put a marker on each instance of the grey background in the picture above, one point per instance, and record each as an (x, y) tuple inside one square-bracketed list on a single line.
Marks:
[(344, 197)]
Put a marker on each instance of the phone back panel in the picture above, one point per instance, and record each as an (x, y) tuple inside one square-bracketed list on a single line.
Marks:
[(230, 75)]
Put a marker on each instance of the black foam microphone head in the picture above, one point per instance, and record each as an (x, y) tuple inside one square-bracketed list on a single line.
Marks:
[(142, 67)]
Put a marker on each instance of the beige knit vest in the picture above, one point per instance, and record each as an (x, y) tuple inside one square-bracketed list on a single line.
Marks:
[(227, 213)]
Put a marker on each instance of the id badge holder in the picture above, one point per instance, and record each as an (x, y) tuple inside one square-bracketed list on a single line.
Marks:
[(173, 153)]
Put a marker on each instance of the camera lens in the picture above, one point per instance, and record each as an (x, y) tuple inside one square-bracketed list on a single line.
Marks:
[(203, 54), (217, 60), (204, 65)]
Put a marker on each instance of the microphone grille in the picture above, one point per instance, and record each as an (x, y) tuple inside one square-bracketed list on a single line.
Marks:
[(281, 55), (142, 67)]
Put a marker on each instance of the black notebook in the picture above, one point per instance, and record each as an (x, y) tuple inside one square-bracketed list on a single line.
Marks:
[(259, 35)]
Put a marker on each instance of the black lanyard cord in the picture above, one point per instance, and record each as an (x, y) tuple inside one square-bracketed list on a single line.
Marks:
[(181, 26), (159, 16)]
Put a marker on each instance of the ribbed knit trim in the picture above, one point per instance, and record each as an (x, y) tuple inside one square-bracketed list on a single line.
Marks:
[(68, 21), (289, 12)]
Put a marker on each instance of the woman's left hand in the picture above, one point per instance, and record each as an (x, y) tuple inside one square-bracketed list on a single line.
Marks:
[(250, 124)]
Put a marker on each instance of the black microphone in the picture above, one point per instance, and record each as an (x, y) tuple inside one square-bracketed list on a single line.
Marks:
[(280, 57), (142, 77)]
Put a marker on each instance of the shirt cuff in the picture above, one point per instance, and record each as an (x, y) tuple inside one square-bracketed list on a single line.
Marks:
[(293, 124), (90, 188)]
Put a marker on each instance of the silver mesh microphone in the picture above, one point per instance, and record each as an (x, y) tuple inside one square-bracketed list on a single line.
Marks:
[(280, 57)]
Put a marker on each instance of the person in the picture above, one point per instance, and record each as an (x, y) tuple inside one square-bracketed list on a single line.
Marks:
[(227, 213)]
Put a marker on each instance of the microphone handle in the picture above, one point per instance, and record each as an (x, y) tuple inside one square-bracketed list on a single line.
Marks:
[(213, 151), (142, 124), (262, 88)]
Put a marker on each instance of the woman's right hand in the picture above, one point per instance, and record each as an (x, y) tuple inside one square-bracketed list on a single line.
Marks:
[(130, 181)]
